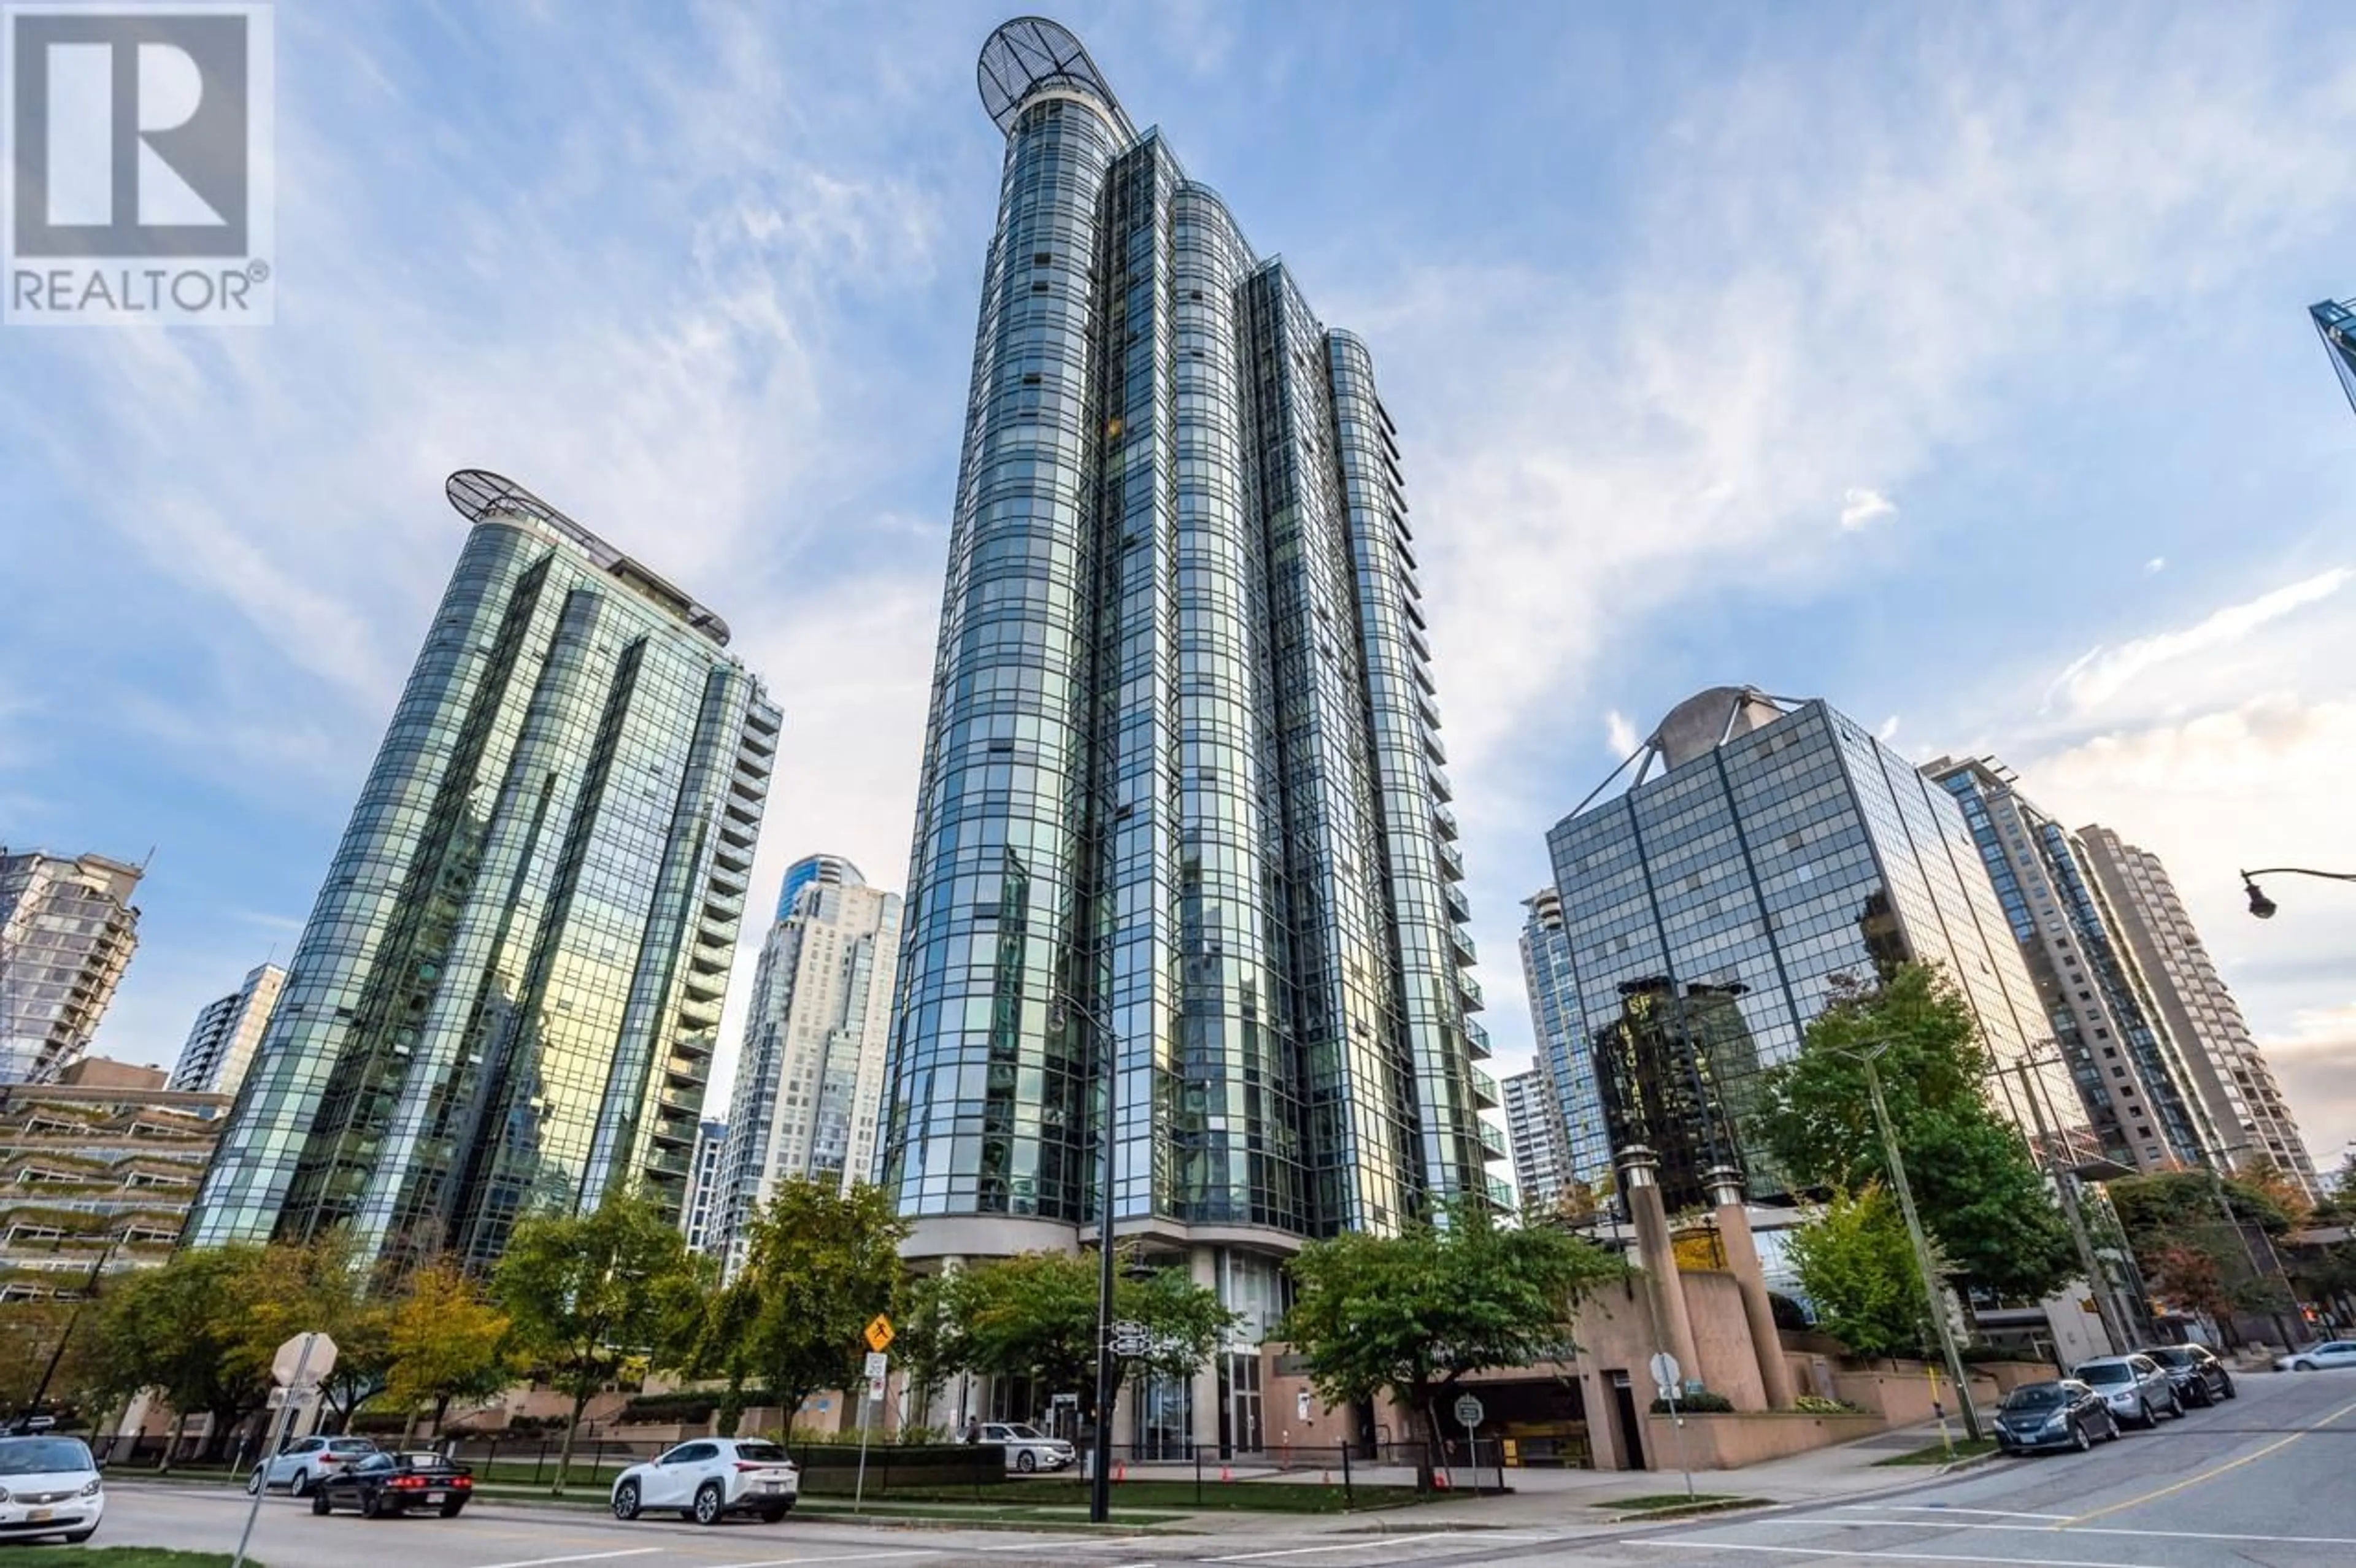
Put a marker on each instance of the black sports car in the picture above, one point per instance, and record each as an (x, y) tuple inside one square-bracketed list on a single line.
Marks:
[(2060, 1415), (2199, 1376), (393, 1484)]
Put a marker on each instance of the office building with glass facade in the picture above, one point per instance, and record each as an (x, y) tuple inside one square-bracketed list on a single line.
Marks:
[(809, 1072), (68, 928), (507, 995), (2133, 1079), (2335, 323), (1182, 813), (1763, 851), (2228, 1071), (220, 1047), (1564, 1060)]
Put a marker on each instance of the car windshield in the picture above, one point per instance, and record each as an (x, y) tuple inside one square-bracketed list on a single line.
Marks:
[(1030, 1434), (2107, 1372), (767, 1452), (2170, 1357), (2037, 1396), (42, 1455)]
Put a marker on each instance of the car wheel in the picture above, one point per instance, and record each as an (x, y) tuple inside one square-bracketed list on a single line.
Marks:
[(453, 1510), (626, 1501), (319, 1503), (300, 1486), (2229, 1391), (253, 1482), (76, 1537), (2302, 1366), (2202, 1395), (1027, 1461), (2146, 1417), (2078, 1439), (772, 1514), (2110, 1428), (371, 1505), (709, 1503), (2174, 1410)]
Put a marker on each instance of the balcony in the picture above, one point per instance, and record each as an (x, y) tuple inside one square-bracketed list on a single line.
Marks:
[(1470, 989), (1484, 1090), (1493, 1138), (1460, 908), (1437, 776), (1460, 942), (1501, 1193), (1445, 820), (1451, 861), (1476, 1039)]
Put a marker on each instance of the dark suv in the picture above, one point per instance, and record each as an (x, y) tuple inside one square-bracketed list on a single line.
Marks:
[(2199, 1377)]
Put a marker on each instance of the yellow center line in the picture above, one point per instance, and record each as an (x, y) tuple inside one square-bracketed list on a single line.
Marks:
[(2210, 1475)]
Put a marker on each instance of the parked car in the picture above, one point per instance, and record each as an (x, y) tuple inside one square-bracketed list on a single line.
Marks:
[(2199, 1377), (301, 1466), (2314, 1358), (2135, 1387), (709, 1479), (1027, 1447), (49, 1486), (378, 1485), (2064, 1414)]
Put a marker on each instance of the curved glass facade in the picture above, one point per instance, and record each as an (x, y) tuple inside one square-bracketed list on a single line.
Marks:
[(1181, 798), (508, 992)]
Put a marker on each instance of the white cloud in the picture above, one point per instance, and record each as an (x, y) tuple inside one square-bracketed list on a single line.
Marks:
[(2157, 564), (2315, 1061), (1860, 507), (1621, 735), (2103, 673), (1888, 731)]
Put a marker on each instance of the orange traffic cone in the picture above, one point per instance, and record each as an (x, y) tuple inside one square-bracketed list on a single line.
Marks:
[(1121, 1470), (1440, 1479), (1226, 1473)]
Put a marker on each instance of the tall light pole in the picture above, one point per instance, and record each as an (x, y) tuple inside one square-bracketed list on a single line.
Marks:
[(2262, 906), (1932, 1292), (2116, 1323)]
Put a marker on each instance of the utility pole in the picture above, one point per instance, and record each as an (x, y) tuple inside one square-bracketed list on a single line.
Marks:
[(2115, 1323), (1934, 1293)]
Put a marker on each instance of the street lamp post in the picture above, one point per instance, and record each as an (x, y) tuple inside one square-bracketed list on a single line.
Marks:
[(2264, 907), (1931, 1297), (2117, 1322)]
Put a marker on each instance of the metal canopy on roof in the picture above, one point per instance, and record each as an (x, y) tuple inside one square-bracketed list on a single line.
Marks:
[(1032, 53), (477, 493)]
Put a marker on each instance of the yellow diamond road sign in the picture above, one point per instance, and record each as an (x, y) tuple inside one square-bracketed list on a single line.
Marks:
[(879, 1333)]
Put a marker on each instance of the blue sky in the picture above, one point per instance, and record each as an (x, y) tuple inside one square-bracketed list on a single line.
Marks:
[(1951, 364)]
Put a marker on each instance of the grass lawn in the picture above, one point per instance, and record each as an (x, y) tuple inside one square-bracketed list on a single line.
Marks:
[(1939, 1453), (116, 1557), (1258, 1497), (1651, 1501)]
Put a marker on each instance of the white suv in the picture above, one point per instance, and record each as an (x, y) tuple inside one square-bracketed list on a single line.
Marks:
[(710, 1478), (2314, 1358), (303, 1464), (1027, 1447)]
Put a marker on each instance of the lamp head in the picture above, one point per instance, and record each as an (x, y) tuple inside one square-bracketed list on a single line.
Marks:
[(2260, 905)]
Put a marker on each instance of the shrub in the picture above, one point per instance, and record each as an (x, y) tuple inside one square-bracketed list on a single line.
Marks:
[(1817, 1404), (686, 1406), (1701, 1402)]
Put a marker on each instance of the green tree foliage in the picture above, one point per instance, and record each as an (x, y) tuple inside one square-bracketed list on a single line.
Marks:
[(1856, 1265), (316, 1286), (1034, 1316), (1413, 1314), (444, 1339), (31, 1334), (1974, 1183), (2200, 1239), (819, 1265), (929, 1348), (587, 1294), (180, 1329)]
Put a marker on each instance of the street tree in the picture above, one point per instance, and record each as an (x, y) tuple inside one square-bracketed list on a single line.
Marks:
[(1034, 1316), (2205, 1240), (930, 1348), (819, 1265), (1976, 1184), (319, 1286), (1857, 1265), (178, 1329), (1412, 1314), (444, 1341), (589, 1293)]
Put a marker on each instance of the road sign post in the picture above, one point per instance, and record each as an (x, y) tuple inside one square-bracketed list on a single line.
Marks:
[(1667, 1374), (878, 1366), (298, 1367), (1469, 1412)]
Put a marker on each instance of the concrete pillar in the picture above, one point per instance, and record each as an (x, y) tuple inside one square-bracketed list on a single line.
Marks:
[(1734, 1237), (1203, 1268), (1640, 1179)]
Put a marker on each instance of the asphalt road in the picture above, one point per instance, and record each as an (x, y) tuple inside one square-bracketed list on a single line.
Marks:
[(2268, 1480)]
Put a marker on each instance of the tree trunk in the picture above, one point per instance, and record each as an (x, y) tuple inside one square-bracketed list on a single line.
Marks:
[(172, 1442), (409, 1427), (1420, 1397), (572, 1428)]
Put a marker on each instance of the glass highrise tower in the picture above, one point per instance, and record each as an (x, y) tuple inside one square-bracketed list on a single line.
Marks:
[(1565, 1060), (2335, 323), (1183, 800), (508, 992), (220, 1047), (809, 1078), (1763, 851)]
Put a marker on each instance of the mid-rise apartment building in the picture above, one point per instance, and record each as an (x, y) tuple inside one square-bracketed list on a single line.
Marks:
[(67, 931)]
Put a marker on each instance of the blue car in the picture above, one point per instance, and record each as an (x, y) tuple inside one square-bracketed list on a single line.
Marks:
[(2063, 1413)]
